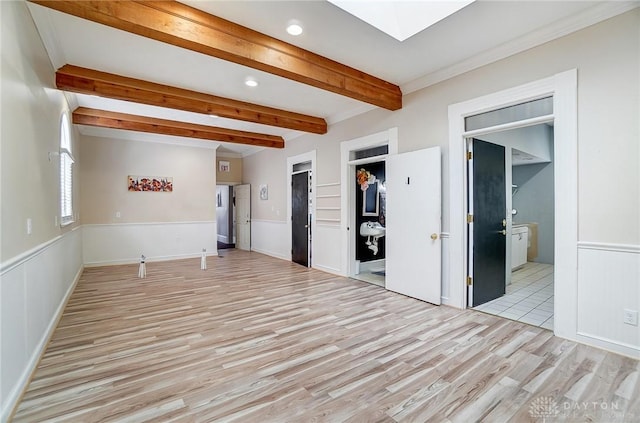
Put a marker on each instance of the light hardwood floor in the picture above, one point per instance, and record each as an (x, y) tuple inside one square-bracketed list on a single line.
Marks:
[(258, 339)]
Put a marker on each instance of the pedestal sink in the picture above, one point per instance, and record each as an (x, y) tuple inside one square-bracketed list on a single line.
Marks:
[(373, 231)]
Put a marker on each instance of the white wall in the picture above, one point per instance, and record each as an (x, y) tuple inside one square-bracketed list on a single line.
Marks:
[(607, 58), (39, 270), (159, 225)]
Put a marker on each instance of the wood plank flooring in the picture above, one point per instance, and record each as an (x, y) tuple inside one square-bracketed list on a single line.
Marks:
[(258, 339)]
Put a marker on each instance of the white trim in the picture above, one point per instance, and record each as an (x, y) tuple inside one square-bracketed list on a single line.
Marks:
[(559, 29), (331, 184), (602, 246), (29, 254), (510, 125), (368, 160), (347, 186), (563, 88), (328, 269), (291, 161), (609, 345)]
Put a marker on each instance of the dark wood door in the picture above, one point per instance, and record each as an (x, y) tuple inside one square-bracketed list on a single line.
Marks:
[(300, 218), (489, 208)]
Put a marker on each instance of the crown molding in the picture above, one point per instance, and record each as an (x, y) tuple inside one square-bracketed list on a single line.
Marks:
[(551, 32)]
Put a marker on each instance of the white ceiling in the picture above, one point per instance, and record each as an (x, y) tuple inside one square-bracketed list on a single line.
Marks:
[(480, 33)]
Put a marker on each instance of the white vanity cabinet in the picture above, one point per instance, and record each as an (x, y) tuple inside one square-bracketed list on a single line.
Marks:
[(519, 244)]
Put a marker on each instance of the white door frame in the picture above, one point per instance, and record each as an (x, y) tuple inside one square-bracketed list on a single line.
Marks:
[(347, 189), (563, 88), (291, 161)]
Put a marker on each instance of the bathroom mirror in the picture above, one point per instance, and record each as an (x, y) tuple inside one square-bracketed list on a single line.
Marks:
[(370, 200)]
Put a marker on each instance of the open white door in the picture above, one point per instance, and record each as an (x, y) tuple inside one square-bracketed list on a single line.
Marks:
[(413, 246), (243, 217)]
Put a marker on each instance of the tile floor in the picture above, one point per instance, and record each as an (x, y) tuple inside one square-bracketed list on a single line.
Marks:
[(529, 297), (371, 277)]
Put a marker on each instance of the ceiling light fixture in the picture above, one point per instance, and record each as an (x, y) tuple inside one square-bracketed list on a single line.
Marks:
[(294, 28), (250, 82)]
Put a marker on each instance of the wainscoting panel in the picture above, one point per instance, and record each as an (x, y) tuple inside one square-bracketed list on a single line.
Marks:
[(35, 287), (271, 237), (327, 251), (125, 243), (608, 278)]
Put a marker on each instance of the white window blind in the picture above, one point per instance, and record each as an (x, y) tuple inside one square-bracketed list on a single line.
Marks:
[(66, 173)]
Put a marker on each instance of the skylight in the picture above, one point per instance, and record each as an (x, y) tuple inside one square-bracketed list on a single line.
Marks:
[(401, 19)]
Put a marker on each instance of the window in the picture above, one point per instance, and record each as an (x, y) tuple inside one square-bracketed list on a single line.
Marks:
[(66, 173)]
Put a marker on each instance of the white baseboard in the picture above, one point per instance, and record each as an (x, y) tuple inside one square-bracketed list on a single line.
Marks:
[(327, 269), (274, 254), (609, 345)]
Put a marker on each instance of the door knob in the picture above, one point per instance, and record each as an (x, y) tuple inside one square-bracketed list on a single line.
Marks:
[(504, 223), (434, 236), (504, 232)]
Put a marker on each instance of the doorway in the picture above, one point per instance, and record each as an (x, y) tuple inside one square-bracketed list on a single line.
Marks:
[(301, 214), (563, 89), (513, 171), (225, 216), (301, 198), (360, 205)]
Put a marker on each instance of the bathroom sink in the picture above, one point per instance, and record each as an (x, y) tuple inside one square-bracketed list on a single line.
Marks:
[(372, 229)]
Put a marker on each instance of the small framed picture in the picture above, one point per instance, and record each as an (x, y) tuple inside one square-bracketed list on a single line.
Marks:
[(224, 166), (264, 192)]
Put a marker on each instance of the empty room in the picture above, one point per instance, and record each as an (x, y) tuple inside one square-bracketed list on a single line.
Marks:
[(371, 211)]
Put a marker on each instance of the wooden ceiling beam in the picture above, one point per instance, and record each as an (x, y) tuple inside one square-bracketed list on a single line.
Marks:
[(93, 82), (114, 120), (183, 26)]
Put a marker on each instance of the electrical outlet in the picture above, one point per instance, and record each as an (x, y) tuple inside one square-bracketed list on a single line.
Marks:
[(118, 215), (630, 317)]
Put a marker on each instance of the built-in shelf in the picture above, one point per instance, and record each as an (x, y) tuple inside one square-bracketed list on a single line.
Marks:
[(320, 219), (328, 208), (328, 196), (331, 184)]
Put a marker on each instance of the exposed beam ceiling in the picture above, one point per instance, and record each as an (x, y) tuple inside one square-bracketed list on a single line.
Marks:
[(114, 120), (88, 81), (186, 27)]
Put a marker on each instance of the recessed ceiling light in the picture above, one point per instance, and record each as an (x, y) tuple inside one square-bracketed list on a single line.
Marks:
[(250, 82), (213, 116), (294, 28)]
